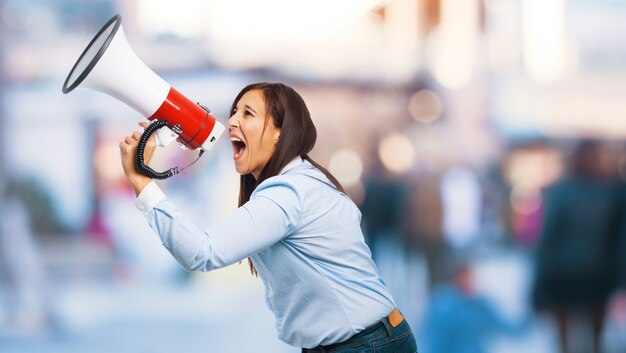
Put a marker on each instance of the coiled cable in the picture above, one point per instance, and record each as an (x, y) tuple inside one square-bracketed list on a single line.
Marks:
[(141, 147)]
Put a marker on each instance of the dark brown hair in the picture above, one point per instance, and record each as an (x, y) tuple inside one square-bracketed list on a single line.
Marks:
[(289, 113)]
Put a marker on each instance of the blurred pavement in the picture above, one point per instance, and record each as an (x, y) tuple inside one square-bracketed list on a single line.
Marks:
[(99, 312)]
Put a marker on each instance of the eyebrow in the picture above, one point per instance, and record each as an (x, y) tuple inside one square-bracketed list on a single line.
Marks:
[(249, 107)]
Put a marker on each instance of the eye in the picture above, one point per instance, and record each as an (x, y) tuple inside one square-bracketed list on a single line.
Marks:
[(247, 113)]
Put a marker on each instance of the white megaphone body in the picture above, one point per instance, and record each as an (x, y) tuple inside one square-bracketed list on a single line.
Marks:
[(109, 65)]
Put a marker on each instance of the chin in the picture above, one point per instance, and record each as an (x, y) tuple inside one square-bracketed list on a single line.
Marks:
[(241, 171)]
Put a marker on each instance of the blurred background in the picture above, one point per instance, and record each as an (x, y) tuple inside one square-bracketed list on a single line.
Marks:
[(483, 140)]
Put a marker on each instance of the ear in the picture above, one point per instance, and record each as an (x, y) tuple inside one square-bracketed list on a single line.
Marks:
[(276, 137)]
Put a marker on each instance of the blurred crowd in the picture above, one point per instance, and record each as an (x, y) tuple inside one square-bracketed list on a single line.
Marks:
[(566, 220)]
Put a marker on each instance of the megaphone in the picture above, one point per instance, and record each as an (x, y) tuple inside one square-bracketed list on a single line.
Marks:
[(109, 65)]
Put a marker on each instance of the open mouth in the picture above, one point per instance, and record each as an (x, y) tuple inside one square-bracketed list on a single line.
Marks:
[(238, 147)]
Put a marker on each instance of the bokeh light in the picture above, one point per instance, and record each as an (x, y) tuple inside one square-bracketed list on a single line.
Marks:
[(396, 153), (425, 106), (347, 166)]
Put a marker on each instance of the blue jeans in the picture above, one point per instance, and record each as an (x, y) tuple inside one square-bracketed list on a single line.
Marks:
[(379, 338)]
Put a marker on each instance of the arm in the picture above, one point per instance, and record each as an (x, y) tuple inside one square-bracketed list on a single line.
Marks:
[(270, 215)]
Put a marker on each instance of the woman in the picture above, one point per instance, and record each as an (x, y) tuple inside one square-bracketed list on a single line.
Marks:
[(298, 229)]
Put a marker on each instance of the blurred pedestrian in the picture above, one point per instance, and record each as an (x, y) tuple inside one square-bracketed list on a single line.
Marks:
[(460, 320), (28, 306), (383, 207), (576, 259)]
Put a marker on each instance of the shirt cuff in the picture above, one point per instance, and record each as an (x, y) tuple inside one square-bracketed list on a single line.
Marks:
[(148, 198)]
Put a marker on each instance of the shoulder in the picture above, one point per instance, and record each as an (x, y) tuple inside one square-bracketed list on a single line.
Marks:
[(283, 189), (279, 184), (297, 182), (302, 176)]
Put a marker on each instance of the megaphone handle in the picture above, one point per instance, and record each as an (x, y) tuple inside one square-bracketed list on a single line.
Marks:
[(143, 140)]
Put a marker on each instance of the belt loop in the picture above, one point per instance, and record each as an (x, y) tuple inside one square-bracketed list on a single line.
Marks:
[(387, 325)]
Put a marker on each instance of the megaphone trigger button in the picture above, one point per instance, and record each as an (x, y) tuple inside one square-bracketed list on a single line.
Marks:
[(177, 129)]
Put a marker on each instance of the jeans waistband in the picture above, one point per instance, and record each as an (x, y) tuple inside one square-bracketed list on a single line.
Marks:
[(387, 323)]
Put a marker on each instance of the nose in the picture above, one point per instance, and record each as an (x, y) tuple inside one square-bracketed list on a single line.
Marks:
[(232, 122)]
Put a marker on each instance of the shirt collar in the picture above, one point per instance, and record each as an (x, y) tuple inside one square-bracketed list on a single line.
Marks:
[(294, 163)]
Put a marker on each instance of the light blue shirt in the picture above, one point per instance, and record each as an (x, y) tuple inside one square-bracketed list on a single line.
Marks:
[(305, 240)]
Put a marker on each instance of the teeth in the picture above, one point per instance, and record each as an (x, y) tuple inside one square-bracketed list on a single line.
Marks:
[(234, 139)]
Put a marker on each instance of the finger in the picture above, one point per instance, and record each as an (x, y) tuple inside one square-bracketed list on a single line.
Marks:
[(136, 135), (124, 147), (143, 124), (129, 140)]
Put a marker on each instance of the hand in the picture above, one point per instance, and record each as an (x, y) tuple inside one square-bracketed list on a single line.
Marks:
[(128, 150)]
